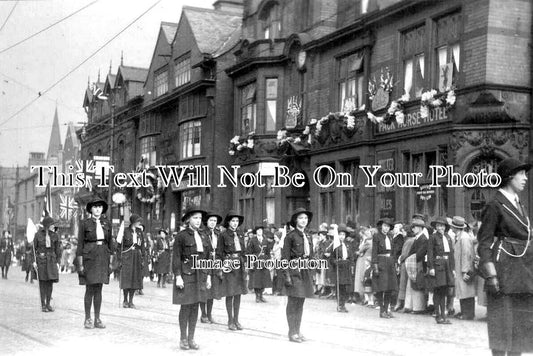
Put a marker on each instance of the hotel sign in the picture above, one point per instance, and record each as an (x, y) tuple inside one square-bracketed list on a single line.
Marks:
[(414, 119)]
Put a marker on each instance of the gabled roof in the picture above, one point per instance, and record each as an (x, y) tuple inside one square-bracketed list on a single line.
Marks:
[(232, 41), (131, 74), (109, 82), (88, 98), (211, 28), (169, 29)]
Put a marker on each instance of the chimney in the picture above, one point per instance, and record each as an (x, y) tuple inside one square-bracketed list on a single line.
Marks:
[(235, 6)]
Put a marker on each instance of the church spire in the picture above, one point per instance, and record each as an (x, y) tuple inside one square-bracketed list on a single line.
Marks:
[(54, 145)]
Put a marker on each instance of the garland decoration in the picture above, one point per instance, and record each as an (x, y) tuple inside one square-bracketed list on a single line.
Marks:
[(241, 143)]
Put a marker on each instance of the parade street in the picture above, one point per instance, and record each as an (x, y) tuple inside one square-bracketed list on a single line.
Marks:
[(153, 327)]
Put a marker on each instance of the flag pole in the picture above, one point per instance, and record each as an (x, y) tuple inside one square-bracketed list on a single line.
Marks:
[(337, 259)]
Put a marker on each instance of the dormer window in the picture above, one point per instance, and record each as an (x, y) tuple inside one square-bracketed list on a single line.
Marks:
[(271, 21)]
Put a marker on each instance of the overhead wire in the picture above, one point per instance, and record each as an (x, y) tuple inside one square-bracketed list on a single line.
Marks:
[(9, 15)]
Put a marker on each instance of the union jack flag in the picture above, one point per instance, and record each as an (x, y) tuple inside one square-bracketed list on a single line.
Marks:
[(88, 168), (68, 207)]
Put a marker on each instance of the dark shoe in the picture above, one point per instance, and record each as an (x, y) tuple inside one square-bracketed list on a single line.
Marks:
[(342, 309), (132, 306), (440, 320), (26, 279), (98, 324), (125, 305), (211, 320), (44, 309), (238, 325), (301, 337), (193, 345), (384, 315), (49, 307), (184, 344), (446, 321), (451, 312), (295, 338), (407, 311), (390, 315), (88, 324), (231, 325), (141, 292), (204, 320), (262, 299), (257, 299), (398, 307)]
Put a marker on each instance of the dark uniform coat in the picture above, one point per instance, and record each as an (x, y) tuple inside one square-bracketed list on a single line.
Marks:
[(96, 254), (28, 257), (234, 282), (420, 248), (510, 314), (6, 249), (343, 265), (259, 277), (47, 257), (162, 255), (194, 279), (302, 279), (442, 262), (130, 257), (212, 237), (386, 281), (397, 245)]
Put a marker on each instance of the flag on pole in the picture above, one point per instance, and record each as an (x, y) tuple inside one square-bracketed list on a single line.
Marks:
[(120, 233), (336, 239), (47, 209), (31, 230)]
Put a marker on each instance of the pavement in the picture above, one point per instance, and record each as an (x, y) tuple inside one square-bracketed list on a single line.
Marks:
[(153, 327)]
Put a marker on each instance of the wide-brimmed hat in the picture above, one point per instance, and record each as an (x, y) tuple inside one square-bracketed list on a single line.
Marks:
[(163, 230), (343, 228), (257, 228), (298, 212), (458, 222), (387, 221), (135, 218), (97, 202), (211, 214), (192, 210), (418, 216), (440, 220), (418, 222), (47, 222), (510, 166), (233, 214)]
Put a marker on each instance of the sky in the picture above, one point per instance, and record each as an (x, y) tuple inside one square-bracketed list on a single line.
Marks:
[(38, 63)]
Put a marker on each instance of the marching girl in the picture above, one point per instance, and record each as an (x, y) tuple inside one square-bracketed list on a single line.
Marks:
[(231, 247), (130, 255)]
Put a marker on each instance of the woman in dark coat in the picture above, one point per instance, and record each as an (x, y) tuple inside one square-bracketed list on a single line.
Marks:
[(441, 266), (48, 251), (95, 245), (342, 259), (231, 248), (211, 235), (384, 281), (6, 253), (506, 258), (162, 257), (259, 277), (27, 265), (191, 284), (130, 256), (297, 245)]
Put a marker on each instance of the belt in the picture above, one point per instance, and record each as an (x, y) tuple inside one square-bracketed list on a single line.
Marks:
[(233, 255), (441, 257), (384, 254), (98, 243)]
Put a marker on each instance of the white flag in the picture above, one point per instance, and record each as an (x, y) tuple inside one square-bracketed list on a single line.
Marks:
[(336, 239), (120, 233), (31, 230)]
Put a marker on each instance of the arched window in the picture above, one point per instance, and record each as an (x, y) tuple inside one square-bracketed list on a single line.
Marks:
[(270, 18)]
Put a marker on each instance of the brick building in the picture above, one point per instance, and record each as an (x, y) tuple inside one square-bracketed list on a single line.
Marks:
[(300, 60)]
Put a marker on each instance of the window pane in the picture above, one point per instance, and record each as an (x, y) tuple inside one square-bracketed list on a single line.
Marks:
[(456, 54), (270, 205), (271, 115), (359, 91), (419, 82), (271, 88), (342, 95)]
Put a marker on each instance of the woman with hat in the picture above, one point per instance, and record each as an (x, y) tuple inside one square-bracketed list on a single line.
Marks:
[(259, 277), (298, 282), (441, 267), (130, 254), (465, 254), (47, 248), (231, 247), (506, 258), (342, 259), (95, 245), (415, 293), (6, 252), (162, 257), (191, 283), (384, 281), (211, 235)]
